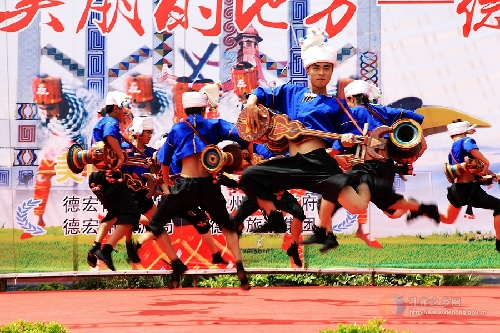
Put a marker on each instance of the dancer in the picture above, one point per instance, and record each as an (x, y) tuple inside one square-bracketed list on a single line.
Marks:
[(195, 186), (284, 201), (107, 184), (466, 189), (309, 166), (142, 131), (378, 174)]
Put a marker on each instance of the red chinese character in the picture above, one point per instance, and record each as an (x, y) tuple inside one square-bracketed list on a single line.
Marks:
[(168, 16), (333, 29), (207, 13), (489, 7), (26, 11), (243, 20), (125, 8)]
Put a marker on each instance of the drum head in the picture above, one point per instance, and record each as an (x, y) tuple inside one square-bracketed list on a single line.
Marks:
[(212, 159), (74, 158), (258, 135)]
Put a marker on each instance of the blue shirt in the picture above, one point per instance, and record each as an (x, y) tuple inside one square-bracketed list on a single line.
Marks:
[(261, 149), (183, 142), (106, 126), (136, 170), (320, 113), (460, 149), (362, 115)]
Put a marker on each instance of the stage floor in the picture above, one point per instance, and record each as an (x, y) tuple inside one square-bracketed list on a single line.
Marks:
[(275, 310)]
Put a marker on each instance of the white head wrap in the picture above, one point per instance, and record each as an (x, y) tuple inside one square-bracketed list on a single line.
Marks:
[(314, 50), (118, 98), (213, 93), (357, 87), (142, 123), (193, 99), (458, 128)]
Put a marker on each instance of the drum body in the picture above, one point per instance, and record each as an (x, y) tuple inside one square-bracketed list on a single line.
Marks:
[(406, 141)]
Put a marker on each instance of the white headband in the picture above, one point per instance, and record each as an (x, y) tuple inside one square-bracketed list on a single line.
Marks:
[(314, 50), (357, 87), (193, 99), (118, 98), (458, 128), (141, 124)]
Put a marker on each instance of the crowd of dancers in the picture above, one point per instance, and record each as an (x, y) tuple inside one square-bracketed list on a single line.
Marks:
[(338, 168)]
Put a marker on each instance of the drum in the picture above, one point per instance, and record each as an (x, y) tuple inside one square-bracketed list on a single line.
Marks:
[(406, 141), (229, 159), (100, 155), (258, 135), (473, 166)]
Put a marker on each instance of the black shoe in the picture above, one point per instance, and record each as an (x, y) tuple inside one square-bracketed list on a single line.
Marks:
[(331, 243), (242, 276), (431, 211), (105, 255), (275, 223), (498, 245), (217, 259), (411, 216), (318, 236), (91, 258), (178, 268), (132, 256), (293, 251)]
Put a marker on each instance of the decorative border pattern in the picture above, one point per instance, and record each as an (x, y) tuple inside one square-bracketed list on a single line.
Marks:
[(298, 11), (96, 56)]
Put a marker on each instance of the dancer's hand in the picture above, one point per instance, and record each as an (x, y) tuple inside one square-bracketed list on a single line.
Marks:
[(347, 140)]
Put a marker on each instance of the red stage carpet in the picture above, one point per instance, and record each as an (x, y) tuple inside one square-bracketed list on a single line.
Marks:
[(262, 310)]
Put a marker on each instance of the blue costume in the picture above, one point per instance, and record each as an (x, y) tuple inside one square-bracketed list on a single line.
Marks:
[(190, 192), (378, 174), (114, 196), (470, 193), (315, 171)]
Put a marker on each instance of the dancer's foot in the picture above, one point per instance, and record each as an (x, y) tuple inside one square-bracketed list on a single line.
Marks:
[(331, 243), (293, 252), (275, 223), (242, 276), (178, 268), (366, 237), (318, 236), (91, 258), (104, 254), (217, 259), (132, 256)]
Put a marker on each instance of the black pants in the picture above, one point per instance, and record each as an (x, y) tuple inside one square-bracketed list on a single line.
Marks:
[(198, 218), (189, 192), (116, 199), (286, 203), (379, 175), (472, 194), (315, 172)]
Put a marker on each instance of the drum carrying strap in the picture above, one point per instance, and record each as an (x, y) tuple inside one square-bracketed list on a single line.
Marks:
[(205, 141), (370, 109), (349, 115)]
